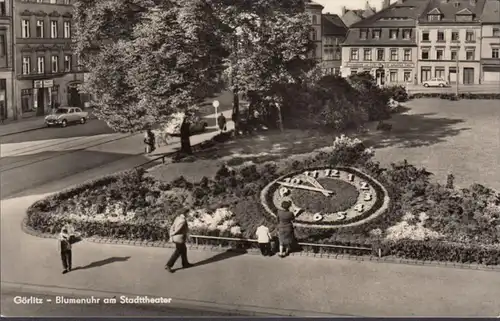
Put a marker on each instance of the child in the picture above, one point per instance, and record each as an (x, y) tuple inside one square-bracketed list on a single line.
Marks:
[(264, 239), (65, 249)]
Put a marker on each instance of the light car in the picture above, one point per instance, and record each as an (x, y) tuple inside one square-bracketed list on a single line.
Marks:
[(66, 115), (435, 82), (198, 125)]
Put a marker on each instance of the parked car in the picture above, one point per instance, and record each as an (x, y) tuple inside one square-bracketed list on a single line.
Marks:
[(199, 125), (435, 82), (63, 116)]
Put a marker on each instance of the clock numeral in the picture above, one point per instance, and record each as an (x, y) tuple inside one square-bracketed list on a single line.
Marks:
[(368, 197), (334, 173), (296, 211), (287, 180), (284, 192), (364, 186), (350, 177), (341, 216), (296, 181), (317, 217), (315, 174), (308, 173), (328, 172), (359, 207)]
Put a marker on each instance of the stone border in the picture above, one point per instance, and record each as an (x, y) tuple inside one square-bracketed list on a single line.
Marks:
[(383, 208), (214, 248)]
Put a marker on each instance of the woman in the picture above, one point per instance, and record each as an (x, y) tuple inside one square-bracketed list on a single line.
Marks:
[(285, 228)]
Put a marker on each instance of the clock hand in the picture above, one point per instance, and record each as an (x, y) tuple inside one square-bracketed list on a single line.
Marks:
[(315, 183), (309, 188)]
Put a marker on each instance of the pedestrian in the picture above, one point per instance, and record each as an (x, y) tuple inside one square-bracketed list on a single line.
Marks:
[(65, 249), (149, 140), (264, 239), (2, 114), (221, 120), (178, 235), (285, 228)]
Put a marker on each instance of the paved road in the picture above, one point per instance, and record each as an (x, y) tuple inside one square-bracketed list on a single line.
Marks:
[(23, 303)]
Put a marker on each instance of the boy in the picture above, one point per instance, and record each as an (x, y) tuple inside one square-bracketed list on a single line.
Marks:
[(264, 239), (65, 249)]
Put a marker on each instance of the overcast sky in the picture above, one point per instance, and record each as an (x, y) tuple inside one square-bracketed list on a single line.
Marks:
[(335, 6)]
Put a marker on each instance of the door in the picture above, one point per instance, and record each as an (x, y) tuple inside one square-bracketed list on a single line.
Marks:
[(40, 102), (74, 97), (468, 76), (380, 75), (72, 115)]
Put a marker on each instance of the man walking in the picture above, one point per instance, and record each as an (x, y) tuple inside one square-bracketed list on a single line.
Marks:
[(221, 120), (178, 235)]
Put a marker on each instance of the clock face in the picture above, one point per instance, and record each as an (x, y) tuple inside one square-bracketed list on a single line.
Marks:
[(327, 197)]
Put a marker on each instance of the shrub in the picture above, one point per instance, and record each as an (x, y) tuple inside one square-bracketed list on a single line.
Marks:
[(398, 93)]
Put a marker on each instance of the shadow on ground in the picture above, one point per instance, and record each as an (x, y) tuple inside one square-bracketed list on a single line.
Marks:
[(102, 263), (220, 257)]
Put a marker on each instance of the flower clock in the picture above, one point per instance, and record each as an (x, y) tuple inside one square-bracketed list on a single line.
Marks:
[(327, 197)]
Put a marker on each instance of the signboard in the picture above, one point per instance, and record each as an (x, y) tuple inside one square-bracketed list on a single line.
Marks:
[(37, 84), (48, 83), (380, 64)]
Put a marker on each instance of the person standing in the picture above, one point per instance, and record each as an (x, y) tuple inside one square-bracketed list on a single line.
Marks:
[(264, 239), (285, 228), (149, 140), (221, 120), (178, 235), (65, 249)]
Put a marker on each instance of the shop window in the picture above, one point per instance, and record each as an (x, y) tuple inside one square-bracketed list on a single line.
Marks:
[(26, 100), (393, 75)]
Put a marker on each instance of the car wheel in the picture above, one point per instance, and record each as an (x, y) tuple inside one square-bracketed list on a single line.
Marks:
[(64, 123), (441, 85), (83, 120), (426, 85), (204, 127)]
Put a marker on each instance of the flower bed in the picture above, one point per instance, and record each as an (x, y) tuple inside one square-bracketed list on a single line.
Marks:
[(425, 220)]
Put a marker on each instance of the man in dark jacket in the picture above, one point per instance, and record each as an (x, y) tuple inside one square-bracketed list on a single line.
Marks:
[(221, 120), (178, 235)]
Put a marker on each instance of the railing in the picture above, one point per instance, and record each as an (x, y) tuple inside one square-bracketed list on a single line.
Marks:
[(316, 248)]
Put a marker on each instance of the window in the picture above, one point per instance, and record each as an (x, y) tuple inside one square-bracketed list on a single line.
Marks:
[(380, 54), (67, 29), (393, 34), (394, 54), (469, 36), (455, 36), (337, 54), (425, 73), (26, 99), (425, 54), (439, 54), (439, 73), (25, 28), (496, 32), (39, 1), (26, 65), (363, 34), (55, 64), (367, 54), (314, 19), (376, 33), (469, 55), (393, 75), (354, 54), (434, 17), (53, 29), (425, 36), (494, 53), (67, 2), (39, 29), (53, 1), (440, 36), (3, 8), (407, 76), (40, 65), (407, 55), (354, 72), (3, 46), (454, 55), (407, 34), (313, 35)]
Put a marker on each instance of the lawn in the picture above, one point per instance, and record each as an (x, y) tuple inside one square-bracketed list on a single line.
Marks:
[(462, 137)]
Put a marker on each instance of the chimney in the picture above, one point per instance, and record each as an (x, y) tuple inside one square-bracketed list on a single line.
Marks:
[(344, 10), (385, 4), (367, 6)]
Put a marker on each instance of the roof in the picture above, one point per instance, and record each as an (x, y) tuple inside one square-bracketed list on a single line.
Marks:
[(448, 9), (333, 25), (312, 4), (399, 14), (362, 13), (491, 12)]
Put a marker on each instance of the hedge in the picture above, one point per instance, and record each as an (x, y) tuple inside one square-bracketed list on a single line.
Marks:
[(452, 96)]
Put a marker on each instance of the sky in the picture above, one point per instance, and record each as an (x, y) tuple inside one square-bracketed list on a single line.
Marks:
[(335, 6)]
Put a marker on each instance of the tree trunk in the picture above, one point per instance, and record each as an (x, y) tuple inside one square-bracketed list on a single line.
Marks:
[(236, 110), (185, 137), (280, 117)]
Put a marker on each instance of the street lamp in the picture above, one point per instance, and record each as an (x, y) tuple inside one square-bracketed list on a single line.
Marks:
[(216, 104)]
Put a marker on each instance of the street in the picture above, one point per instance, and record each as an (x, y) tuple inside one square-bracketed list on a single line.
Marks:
[(477, 89)]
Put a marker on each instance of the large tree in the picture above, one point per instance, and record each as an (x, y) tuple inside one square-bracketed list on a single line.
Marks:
[(156, 60)]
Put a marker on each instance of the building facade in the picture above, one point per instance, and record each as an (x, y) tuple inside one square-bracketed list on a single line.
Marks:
[(449, 34), (47, 73), (385, 44), (314, 10), (490, 44), (6, 60), (334, 33)]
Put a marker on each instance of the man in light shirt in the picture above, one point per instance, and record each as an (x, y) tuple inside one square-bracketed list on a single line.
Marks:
[(264, 239)]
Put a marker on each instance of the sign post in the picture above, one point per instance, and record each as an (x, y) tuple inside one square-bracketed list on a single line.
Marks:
[(216, 104)]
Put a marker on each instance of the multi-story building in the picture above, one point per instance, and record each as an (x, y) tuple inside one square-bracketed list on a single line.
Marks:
[(314, 9), (449, 33), (350, 17), (334, 33), (384, 44), (46, 70), (6, 60), (490, 44)]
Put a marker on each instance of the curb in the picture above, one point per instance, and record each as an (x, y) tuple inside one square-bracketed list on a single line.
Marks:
[(214, 248), (32, 129)]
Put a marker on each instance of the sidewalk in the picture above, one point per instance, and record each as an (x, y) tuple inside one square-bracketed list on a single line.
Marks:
[(21, 125)]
